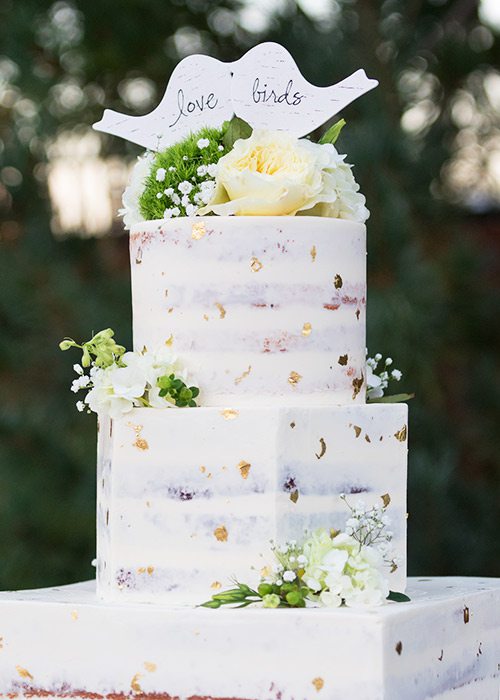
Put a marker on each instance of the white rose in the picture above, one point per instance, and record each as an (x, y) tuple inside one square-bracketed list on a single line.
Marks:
[(274, 173)]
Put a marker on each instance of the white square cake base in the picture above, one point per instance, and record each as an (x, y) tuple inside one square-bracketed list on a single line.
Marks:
[(63, 642)]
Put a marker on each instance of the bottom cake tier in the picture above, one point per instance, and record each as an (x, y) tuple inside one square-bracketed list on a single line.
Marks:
[(190, 499), (65, 643)]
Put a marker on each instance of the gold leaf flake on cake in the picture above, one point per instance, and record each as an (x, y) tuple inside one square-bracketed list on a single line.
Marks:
[(139, 442), (466, 614), (220, 533), (294, 495), (150, 666), (401, 434), (367, 438), (138, 257), (322, 450), (203, 469), (306, 329), (169, 341), (256, 264), (216, 585), (229, 413), (1, 643), (357, 313), (292, 424), (357, 383), (170, 310), (244, 468), (243, 375), (74, 615), (198, 230), (23, 672), (357, 430), (386, 499), (394, 567), (222, 310), (134, 683), (343, 359), (338, 282), (294, 378), (205, 317), (266, 571), (313, 253), (318, 683)]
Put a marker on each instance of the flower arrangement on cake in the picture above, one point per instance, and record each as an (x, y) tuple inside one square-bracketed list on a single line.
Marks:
[(118, 381), (236, 171), (328, 569), (264, 224)]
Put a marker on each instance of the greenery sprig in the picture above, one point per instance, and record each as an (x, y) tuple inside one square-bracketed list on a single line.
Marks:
[(101, 350)]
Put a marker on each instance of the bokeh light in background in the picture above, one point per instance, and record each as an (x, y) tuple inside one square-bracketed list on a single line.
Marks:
[(426, 149), (85, 189)]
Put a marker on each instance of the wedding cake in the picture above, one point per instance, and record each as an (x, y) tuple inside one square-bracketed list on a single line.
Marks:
[(249, 454)]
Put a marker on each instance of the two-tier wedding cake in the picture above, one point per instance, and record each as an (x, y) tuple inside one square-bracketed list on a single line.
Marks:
[(250, 455)]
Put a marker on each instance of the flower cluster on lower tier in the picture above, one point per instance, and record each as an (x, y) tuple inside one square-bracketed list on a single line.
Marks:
[(329, 568)]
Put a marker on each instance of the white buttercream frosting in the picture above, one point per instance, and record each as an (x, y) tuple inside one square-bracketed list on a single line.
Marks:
[(190, 497), (258, 309)]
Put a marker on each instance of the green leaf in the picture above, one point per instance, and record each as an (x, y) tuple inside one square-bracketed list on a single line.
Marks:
[(398, 597), (214, 604), (396, 398), (236, 129), (333, 132)]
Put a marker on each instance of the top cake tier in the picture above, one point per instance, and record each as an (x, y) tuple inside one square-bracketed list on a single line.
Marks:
[(259, 309)]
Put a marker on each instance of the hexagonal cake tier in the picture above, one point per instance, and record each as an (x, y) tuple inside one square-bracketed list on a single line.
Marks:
[(188, 500)]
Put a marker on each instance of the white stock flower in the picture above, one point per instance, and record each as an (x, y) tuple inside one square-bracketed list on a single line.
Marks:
[(203, 143), (274, 173), (130, 200), (116, 390)]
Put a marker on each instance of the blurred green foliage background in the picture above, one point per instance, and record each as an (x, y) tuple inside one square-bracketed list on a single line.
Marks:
[(426, 145)]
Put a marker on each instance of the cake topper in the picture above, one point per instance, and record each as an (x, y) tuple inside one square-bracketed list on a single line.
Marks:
[(264, 87)]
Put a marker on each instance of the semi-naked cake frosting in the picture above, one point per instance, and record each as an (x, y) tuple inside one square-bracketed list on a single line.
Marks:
[(269, 314), (261, 309)]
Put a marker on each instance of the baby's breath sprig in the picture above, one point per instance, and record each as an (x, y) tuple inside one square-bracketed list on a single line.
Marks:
[(380, 374)]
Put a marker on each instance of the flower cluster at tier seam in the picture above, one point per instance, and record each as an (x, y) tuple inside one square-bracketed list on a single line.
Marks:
[(118, 381), (329, 568)]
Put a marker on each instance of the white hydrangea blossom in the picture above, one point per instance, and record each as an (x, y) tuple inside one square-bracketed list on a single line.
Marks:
[(130, 211), (340, 570)]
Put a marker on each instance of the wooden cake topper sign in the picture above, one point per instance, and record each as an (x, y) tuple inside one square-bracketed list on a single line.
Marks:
[(264, 87)]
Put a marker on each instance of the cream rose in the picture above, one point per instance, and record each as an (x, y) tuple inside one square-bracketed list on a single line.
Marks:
[(275, 174)]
